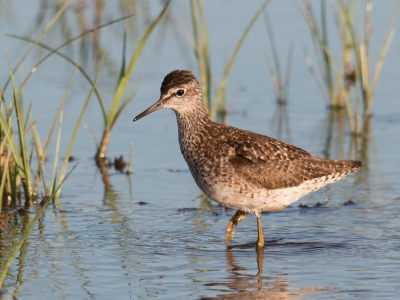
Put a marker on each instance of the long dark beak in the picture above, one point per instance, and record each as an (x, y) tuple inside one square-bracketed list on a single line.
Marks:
[(152, 108)]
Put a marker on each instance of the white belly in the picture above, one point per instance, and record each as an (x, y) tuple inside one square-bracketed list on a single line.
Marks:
[(254, 200)]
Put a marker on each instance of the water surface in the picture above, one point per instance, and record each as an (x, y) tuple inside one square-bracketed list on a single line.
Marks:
[(153, 235)]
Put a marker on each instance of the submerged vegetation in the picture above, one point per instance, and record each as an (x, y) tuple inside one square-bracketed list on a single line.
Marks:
[(348, 84)]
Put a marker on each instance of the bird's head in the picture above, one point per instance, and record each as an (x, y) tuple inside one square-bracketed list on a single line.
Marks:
[(180, 91)]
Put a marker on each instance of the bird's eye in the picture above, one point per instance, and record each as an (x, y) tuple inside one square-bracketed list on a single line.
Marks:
[(180, 92)]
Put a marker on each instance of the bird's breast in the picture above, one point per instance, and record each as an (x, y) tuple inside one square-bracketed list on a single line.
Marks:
[(205, 161)]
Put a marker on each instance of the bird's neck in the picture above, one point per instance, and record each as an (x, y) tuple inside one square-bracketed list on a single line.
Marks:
[(192, 125), (192, 120)]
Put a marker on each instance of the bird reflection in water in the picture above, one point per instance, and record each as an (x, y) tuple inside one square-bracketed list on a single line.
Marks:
[(241, 285), (246, 286)]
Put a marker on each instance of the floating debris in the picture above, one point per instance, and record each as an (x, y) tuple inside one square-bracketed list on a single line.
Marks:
[(119, 164), (350, 202), (44, 200), (183, 209), (177, 171), (23, 211)]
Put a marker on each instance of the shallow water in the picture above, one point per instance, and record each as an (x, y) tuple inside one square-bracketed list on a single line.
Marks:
[(153, 235)]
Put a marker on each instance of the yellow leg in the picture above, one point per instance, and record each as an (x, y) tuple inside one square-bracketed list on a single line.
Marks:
[(260, 240), (230, 230)]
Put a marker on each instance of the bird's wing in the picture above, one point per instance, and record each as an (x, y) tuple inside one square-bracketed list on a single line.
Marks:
[(272, 164)]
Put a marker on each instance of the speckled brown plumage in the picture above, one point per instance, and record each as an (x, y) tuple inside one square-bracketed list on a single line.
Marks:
[(238, 168)]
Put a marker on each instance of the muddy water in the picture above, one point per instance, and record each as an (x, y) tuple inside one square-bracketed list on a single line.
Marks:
[(153, 235)]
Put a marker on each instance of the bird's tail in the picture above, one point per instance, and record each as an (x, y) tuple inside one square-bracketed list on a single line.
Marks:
[(350, 165), (344, 166)]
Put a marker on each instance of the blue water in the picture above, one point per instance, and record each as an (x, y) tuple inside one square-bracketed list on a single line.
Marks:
[(153, 235)]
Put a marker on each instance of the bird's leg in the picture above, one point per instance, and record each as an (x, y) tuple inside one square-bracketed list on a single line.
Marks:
[(260, 240), (230, 230)]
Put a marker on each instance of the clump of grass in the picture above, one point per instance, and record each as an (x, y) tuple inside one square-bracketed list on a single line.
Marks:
[(202, 54), (354, 68), (16, 169), (280, 83), (333, 87), (17, 172), (19, 178), (360, 40), (110, 116), (25, 180), (66, 57)]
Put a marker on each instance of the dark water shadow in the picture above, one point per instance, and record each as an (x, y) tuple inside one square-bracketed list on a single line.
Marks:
[(268, 243), (292, 248)]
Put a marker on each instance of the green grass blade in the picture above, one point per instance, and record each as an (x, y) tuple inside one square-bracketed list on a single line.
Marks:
[(320, 44), (3, 180), (361, 52), (222, 86), (5, 132), (122, 72), (28, 113), (71, 61), (313, 73), (55, 167), (40, 156), (288, 70), (42, 153), (59, 111), (326, 60), (6, 126), (26, 172), (280, 84), (273, 74), (65, 44), (47, 28), (123, 83), (356, 45), (273, 49), (198, 51), (207, 87), (336, 72), (387, 39), (77, 126), (125, 103), (382, 55)]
